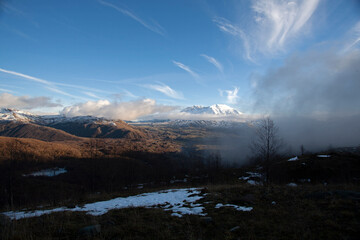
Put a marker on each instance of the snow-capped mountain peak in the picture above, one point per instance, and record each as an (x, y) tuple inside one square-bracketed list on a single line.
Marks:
[(216, 109)]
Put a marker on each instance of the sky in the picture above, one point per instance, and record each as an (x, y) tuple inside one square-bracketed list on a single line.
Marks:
[(129, 59)]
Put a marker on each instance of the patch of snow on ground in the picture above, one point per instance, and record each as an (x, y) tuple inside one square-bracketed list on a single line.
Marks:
[(179, 201), (253, 182), (254, 174), (51, 172), (292, 184), (239, 208), (251, 175), (244, 178), (293, 159), (323, 156)]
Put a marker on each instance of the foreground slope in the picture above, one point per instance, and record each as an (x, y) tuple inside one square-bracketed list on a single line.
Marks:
[(33, 149), (101, 129), (30, 130)]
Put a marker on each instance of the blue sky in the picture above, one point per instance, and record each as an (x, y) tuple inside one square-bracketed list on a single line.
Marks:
[(113, 57)]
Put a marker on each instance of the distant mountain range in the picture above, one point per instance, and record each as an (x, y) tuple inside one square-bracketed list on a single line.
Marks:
[(7, 114), (16, 123)]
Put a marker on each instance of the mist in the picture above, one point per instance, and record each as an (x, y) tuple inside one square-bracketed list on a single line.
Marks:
[(319, 135), (317, 83), (313, 99)]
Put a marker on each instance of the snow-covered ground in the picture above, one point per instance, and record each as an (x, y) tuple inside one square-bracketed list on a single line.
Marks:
[(239, 208), (251, 175), (51, 172), (293, 159), (253, 182), (179, 201), (292, 184)]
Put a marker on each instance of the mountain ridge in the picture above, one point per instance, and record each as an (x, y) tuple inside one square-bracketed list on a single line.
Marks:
[(16, 123)]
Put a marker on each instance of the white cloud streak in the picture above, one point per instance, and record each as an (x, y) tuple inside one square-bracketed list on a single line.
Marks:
[(354, 37), (284, 19), (53, 89), (87, 89), (275, 23), (213, 61), (168, 91), (90, 94), (6, 90), (230, 28), (154, 27), (186, 68), (47, 84), (26, 76)]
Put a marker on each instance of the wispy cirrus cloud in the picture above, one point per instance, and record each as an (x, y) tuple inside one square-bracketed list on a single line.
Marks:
[(6, 90), (51, 86), (9, 8), (21, 34), (353, 37), (230, 28), (35, 79), (86, 89), (168, 91), (154, 26), (231, 95), (273, 25), (284, 19), (186, 68), (213, 61), (90, 94), (122, 94)]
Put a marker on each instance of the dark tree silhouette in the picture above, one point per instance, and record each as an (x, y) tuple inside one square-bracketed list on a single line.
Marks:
[(266, 144), (302, 149)]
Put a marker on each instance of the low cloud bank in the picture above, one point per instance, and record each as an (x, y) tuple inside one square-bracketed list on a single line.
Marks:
[(8, 100), (116, 110)]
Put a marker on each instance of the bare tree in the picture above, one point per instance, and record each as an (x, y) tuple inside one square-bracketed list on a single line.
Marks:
[(266, 144), (302, 149)]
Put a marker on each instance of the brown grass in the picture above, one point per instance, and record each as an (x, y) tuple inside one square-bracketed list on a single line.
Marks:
[(294, 216)]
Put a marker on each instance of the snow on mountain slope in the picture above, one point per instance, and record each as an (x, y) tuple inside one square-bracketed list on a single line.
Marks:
[(217, 109), (7, 114), (220, 116)]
